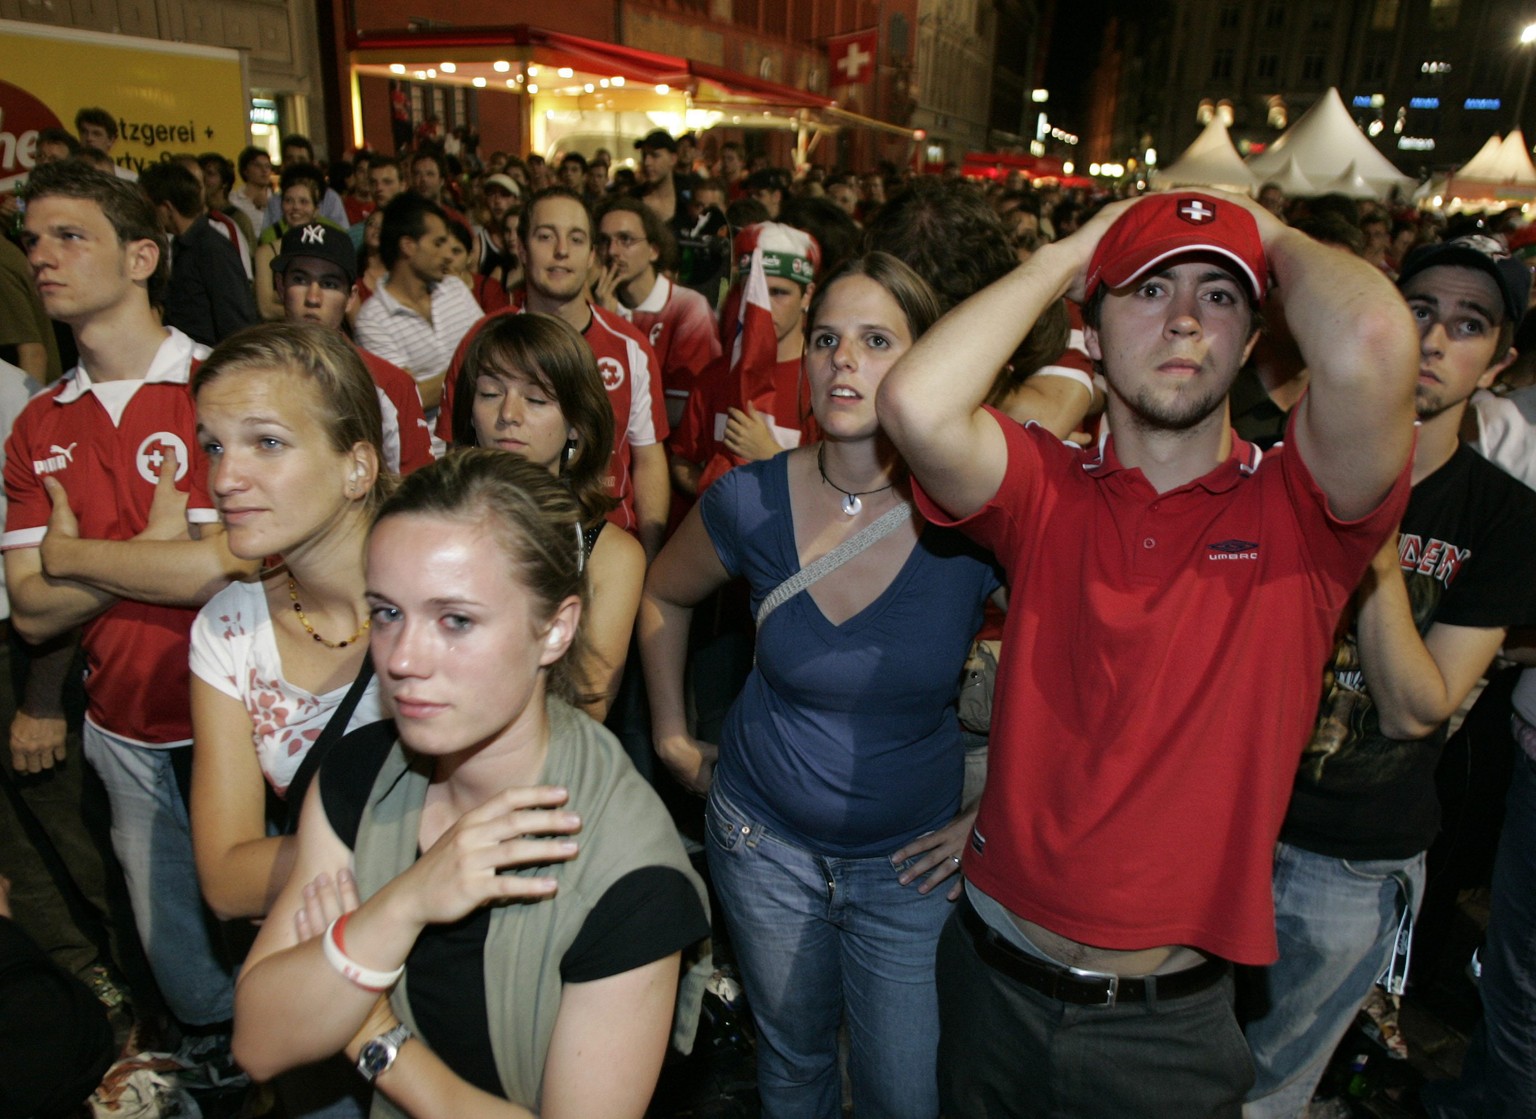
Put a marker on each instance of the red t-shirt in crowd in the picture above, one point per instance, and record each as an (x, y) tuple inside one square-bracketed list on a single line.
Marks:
[(105, 448), (407, 436), (786, 407), (1161, 666), (680, 325)]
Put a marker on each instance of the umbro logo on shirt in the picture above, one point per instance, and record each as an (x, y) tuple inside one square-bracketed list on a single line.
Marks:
[(58, 458), (1233, 550)]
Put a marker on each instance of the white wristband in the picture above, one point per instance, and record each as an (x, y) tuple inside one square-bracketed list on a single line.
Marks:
[(352, 971)]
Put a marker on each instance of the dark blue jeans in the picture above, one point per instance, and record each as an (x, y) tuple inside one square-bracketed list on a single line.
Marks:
[(1498, 1079), (823, 940)]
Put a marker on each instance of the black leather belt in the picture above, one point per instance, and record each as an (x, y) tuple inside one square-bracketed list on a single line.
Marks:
[(1081, 988)]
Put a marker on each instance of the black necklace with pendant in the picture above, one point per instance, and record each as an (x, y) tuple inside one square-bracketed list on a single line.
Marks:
[(851, 503)]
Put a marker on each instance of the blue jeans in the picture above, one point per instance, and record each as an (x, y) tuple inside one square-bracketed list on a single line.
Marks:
[(819, 939), (1498, 1079), (1337, 922), (153, 840)]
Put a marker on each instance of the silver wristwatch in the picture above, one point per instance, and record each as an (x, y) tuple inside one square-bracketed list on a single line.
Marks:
[(378, 1054)]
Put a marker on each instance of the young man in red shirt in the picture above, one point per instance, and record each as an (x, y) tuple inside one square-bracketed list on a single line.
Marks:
[(98, 537), (1162, 585)]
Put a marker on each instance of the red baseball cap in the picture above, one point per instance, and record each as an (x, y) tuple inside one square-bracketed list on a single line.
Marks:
[(1164, 226)]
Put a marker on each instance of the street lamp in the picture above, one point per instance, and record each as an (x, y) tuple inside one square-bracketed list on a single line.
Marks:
[(1527, 37)]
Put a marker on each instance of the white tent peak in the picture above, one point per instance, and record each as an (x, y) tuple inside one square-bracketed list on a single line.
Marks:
[(1500, 162), (1326, 145), (1288, 178), (1210, 161)]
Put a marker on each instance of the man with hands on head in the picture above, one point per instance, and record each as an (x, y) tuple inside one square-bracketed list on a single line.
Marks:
[(1158, 583)]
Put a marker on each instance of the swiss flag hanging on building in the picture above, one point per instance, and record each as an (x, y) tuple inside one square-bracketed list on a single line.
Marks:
[(851, 58)]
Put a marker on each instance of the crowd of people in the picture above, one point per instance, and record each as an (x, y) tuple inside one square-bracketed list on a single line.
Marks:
[(1049, 610)]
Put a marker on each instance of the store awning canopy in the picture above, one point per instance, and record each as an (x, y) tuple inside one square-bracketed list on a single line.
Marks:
[(997, 165), (590, 75)]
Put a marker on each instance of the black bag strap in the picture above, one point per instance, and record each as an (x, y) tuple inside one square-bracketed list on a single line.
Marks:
[(332, 734)]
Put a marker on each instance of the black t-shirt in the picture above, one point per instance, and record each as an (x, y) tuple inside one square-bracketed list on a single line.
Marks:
[(1466, 555), (647, 914), (1255, 417)]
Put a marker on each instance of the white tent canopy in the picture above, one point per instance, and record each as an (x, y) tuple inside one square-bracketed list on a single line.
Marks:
[(1351, 184), (1486, 162), (1290, 179), (1211, 161), (1327, 146), (1500, 169)]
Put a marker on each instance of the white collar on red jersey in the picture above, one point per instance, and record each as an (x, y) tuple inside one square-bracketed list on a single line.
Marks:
[(657, 299), (172, 365)]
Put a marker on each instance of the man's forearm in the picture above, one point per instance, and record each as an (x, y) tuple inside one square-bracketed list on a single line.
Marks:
[(32, 359), (1338, 307), (161, 572), (47, 668), (45, 608), (1416, 682), (430, 389), (948, 372), (1403, 679)]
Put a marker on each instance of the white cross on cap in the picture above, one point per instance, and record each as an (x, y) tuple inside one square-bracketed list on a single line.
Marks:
[(313, 234), (1197, 211)]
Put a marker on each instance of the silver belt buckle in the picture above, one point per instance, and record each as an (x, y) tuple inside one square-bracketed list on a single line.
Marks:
[(1113, 982)]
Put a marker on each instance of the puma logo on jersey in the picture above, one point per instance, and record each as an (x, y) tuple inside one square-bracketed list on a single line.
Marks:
[(58, 458)]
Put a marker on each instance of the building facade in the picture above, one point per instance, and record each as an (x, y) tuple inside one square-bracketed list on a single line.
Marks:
[(1428, 80)]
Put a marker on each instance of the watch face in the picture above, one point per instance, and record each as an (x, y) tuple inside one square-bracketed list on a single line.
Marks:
[(376, 1056)]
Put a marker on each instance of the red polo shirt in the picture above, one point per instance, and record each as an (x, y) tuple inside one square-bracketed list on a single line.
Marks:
[(1160, 673)]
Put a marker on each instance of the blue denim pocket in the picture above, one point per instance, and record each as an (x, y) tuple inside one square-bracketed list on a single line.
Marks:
[(724, 824)]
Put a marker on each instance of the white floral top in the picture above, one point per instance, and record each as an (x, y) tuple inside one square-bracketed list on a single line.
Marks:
[(234, 649)]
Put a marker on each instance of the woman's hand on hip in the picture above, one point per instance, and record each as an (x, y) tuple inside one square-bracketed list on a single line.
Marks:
[(938, 856)]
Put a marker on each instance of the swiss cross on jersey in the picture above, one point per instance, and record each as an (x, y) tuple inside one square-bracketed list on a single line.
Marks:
[(851, 58), (1197, 211), (152, 453), (612, 373)]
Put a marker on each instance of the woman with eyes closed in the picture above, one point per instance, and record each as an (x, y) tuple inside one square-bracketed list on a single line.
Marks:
[(530, 385), (834, 807), (512, 886)]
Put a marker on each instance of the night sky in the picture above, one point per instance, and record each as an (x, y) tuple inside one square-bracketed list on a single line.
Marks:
[(1073, 53)]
